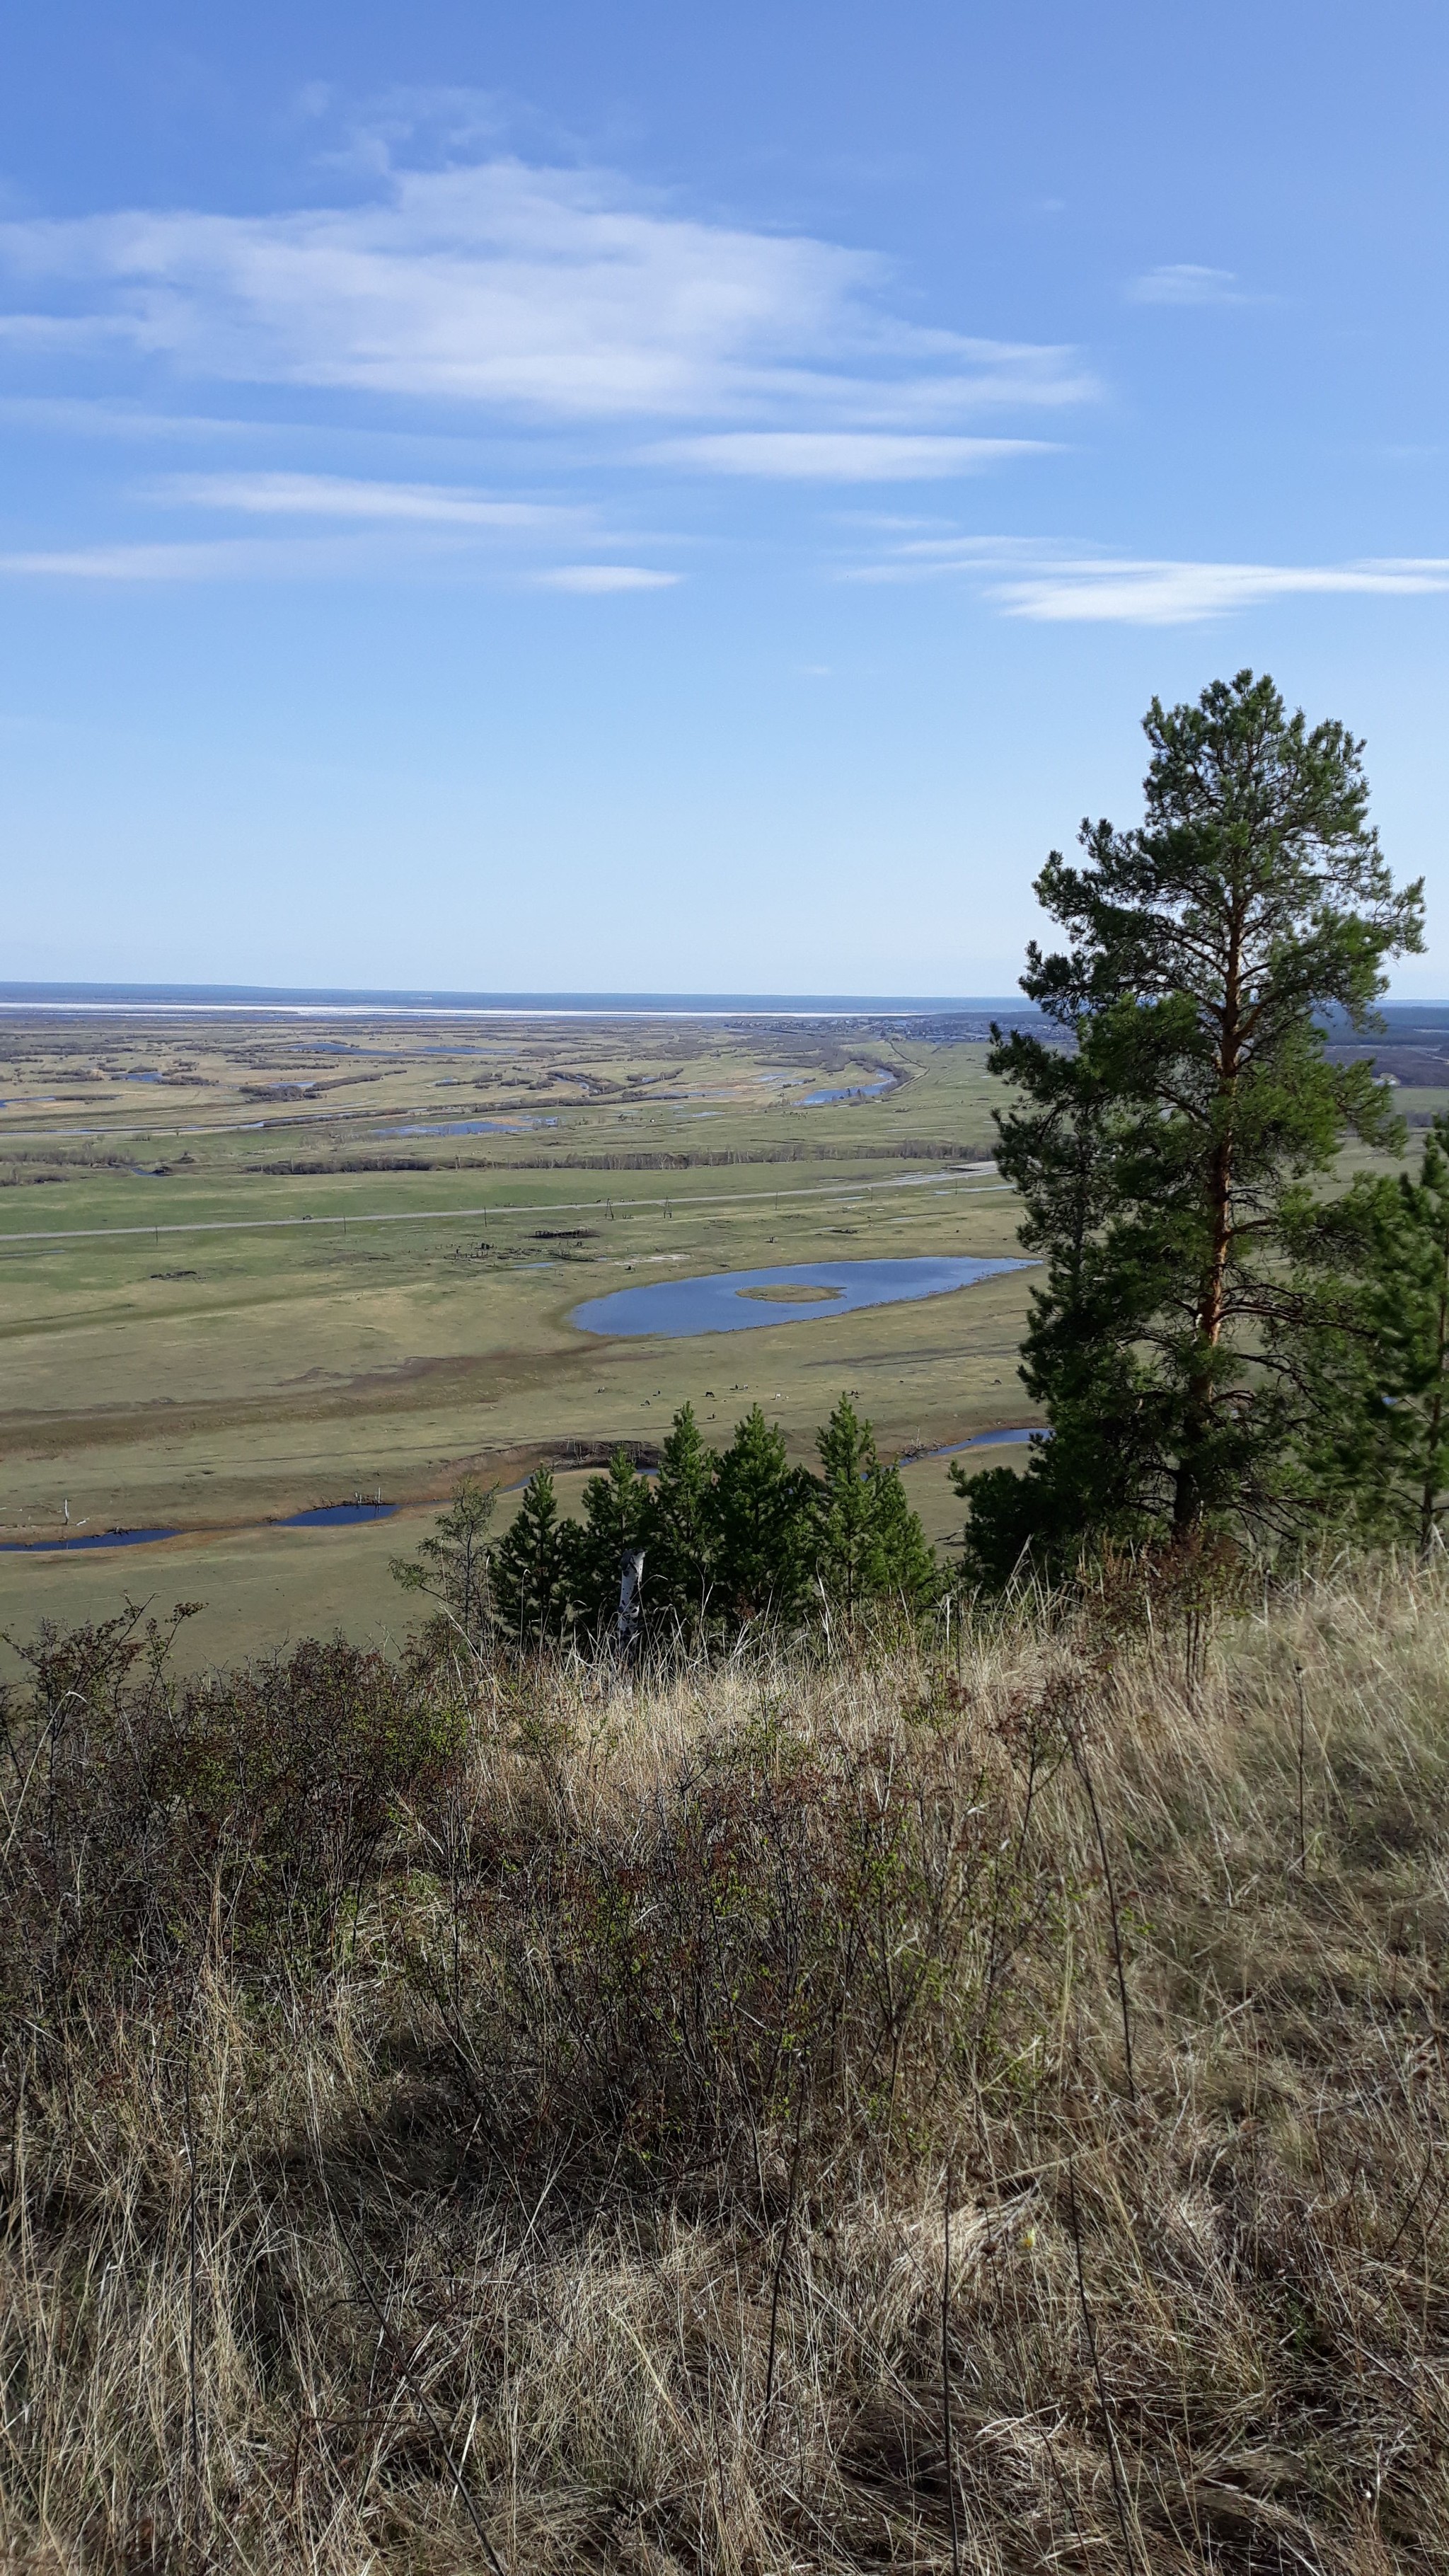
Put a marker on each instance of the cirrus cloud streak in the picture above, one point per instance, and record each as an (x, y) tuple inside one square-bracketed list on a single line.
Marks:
[(842, 456), (1184, 281), (1029, 579), (598, 579), (342, 496)]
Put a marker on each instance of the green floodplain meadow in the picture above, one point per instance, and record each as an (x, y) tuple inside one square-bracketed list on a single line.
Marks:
[(222, 1301)]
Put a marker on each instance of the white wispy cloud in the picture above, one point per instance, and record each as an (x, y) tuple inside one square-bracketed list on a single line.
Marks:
[(1028, 579), (340, 496), (604, 577), (1183, 282), (1183, 594), (96, 417), (204, 559), (841, 455), (334, 558), (544, 292)]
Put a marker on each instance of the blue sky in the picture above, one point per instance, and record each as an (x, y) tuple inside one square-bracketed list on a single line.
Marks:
[(652, 496)]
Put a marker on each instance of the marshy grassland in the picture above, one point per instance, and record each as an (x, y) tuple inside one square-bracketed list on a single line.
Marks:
[(977, 2104), (247, 1267)]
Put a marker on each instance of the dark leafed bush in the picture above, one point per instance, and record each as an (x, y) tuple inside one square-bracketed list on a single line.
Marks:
[(789, 1933), (147, 1818)]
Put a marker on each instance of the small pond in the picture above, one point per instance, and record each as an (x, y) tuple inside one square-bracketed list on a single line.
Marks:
[(466, 1127), (850, 1091), (71, 1546), (740, 1301), (990, 1440), (337, 1515)]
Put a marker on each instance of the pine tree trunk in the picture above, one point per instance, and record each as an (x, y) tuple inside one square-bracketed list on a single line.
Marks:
[(1212, 1292)]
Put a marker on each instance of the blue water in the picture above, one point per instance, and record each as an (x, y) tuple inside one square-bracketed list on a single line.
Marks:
[(677, 1307), (66, 1546), (852, 1091), (467, 1127), (989, 1440), (330, 1516)]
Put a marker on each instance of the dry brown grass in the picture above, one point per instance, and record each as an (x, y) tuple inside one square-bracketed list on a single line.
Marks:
[(569, 2184)]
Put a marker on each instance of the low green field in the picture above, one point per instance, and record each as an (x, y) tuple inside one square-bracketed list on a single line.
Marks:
[(220, 1304), (1420, 1104), (273, 1585)]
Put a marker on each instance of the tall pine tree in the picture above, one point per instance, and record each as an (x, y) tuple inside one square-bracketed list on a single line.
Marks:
[(1166, 1139)]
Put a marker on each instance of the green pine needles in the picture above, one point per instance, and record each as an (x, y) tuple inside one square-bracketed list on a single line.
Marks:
[(867, 1542), (1172, 1139), (1387, 1453)]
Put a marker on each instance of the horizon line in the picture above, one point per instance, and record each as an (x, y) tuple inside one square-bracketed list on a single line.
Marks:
[(414, 1002), (435, 1002)]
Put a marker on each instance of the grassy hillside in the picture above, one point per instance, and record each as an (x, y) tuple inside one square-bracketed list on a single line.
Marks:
[(981, 2110)]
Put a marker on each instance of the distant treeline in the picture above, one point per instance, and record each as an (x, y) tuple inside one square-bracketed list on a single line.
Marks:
[(905, 1150), (61, 1163)]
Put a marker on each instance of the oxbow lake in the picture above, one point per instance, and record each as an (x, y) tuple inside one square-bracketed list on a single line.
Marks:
[(322, 1516), (850, 1091), (722, 1303), (466, 1127), (992, 1440)]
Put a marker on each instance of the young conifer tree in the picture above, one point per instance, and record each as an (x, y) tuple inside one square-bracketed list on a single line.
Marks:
[(760, 1517), (849, 1558), (912, 1576), (680, 1568), (533, 1568), (451, 1567), (616, 1522), (868, 1543), (1166, 1144)]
